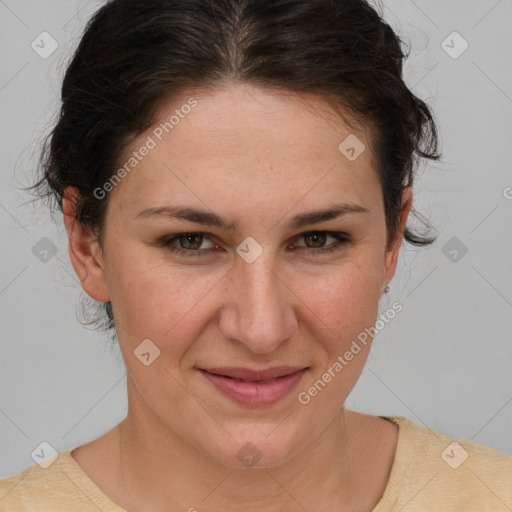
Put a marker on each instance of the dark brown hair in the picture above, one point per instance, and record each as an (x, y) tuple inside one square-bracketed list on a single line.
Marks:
[(136, 54)]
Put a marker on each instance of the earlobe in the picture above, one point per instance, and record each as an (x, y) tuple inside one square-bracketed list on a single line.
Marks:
[(84, 250)]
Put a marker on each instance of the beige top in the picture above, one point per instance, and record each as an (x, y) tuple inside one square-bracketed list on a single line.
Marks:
[(430, 472)]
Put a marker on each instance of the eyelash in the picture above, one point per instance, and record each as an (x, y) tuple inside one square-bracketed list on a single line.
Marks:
[(342, 239)]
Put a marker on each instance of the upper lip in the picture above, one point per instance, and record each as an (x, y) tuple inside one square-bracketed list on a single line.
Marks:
[(254, 375)]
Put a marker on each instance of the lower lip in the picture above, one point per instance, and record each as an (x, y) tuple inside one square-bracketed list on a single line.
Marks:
[(255, 393)]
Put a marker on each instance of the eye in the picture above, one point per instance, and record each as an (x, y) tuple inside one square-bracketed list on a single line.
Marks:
[(317, 240), (189, 244)]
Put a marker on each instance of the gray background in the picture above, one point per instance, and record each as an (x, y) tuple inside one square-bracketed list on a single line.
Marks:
[(444, 361)]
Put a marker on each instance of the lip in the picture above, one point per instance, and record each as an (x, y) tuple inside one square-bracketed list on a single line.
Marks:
[(255, 388), (254, 375)]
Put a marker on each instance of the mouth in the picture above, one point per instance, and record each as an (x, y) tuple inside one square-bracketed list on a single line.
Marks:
[(249, 375), (254, 387)]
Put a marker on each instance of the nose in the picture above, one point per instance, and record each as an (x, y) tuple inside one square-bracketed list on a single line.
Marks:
[(260, 313)]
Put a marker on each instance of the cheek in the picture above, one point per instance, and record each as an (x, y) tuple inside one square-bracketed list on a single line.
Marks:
[(159, 302), (345, 298), (345, 306)]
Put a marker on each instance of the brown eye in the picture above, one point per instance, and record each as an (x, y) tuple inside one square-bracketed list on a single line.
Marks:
[(187, 244), (191, 241), (317, 239), (317, 242)]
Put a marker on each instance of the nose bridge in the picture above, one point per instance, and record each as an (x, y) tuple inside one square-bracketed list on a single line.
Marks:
[(261, 315)]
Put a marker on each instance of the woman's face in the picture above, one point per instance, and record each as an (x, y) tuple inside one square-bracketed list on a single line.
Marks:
[(260, 295)]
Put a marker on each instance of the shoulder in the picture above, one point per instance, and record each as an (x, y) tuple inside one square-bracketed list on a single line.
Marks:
[(35, 488), (59, 487), (434, 469)]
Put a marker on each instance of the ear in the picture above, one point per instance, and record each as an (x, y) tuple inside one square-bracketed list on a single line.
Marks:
[(393, 249), (84, 250)]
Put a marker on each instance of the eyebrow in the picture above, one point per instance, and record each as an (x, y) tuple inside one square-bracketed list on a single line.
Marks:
[(212, 219)]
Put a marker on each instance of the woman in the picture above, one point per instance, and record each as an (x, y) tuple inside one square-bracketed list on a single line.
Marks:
[(235, 179)]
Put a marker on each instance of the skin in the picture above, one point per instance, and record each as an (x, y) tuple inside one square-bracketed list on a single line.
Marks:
[(256, 157)]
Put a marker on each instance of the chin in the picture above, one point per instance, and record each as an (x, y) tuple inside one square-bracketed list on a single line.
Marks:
[(264, 447)]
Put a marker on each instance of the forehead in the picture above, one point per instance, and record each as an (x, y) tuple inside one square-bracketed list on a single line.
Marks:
[(250, 138), (255, 118)]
